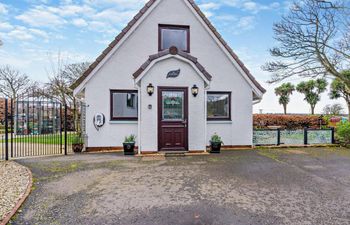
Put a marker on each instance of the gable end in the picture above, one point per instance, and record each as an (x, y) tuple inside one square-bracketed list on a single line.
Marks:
[(138, 16)]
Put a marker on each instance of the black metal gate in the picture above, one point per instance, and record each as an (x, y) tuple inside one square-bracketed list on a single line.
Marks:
[(32, 127)]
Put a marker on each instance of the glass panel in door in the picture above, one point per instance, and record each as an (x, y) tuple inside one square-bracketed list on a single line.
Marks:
[(173, 105)]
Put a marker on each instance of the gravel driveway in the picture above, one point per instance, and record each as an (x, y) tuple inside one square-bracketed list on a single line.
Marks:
[(289, 186)]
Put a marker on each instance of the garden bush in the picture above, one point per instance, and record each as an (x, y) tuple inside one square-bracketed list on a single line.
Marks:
[(343, 133), (288, 121)]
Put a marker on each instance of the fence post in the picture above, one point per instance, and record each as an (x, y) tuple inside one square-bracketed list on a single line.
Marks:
[(278, 136), (61, 128), (12, 126), (305, 136), (6, 131), (65, 129), (333, 135)]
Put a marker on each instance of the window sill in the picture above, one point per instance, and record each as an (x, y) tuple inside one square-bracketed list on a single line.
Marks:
[(123, 122), (219, 122)]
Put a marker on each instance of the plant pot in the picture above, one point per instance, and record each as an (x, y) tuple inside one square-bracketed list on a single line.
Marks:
[(78, 148), (215, 147), (129, 148)]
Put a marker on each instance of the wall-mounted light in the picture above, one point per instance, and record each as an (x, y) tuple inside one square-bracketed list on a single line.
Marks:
[(150, 89), (195, 90)]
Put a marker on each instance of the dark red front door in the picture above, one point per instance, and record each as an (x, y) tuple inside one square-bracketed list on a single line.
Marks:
[(172, 119)]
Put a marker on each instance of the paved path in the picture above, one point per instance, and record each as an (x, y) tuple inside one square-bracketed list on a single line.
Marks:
[(297, 186)]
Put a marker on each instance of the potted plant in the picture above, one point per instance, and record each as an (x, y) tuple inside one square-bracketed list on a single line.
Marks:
[(215, 143), (129, 145), (78, 144)]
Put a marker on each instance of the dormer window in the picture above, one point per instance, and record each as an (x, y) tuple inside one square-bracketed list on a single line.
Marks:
[(173, 35)]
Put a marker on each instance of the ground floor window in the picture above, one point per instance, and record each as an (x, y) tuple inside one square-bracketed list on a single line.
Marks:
[(219, 105), (124, 105)]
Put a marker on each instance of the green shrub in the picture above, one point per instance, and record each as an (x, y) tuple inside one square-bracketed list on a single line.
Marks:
[(77, 140), (343, 133), (216, 139), (130, 139)]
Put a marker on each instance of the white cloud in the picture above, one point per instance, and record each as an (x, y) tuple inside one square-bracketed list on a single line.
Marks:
[(5, 26), (79, 22), (246, 5), (255, 7), (114, 16), (121, 4), (71, 10), (102, 27), (20, 33), (209, 5), (246, 22), (208, 8), (3, 9), (41, 17), (14, 32)]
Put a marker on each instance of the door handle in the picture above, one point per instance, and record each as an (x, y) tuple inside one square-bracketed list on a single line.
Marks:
[(184, 123)]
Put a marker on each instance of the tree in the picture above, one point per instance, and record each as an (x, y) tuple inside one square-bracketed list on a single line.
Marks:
[(340, 90), (61, 76), (284, 91), (312, 90), (314, 41), (13, 83), (335, 109)]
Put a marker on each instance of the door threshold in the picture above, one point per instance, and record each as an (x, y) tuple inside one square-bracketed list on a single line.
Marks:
[(173, 153)]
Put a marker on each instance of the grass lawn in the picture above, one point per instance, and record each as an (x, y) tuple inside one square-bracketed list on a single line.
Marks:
[(42, 139)]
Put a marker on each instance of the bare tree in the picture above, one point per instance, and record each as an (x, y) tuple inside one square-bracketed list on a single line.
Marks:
[(61, 76), (335, 109), (13, 83), (314, 41)]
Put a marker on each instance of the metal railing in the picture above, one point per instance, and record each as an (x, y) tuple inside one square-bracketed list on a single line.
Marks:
[(35, 128), (304, 136)]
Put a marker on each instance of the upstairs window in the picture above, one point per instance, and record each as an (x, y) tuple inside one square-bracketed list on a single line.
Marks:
[(124, 105), (219, 105), (171, 35)]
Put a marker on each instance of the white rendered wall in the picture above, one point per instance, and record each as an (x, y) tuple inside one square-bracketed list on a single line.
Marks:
[(117, 74), (149, 117)]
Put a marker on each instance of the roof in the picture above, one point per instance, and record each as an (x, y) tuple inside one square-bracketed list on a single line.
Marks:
[(133, 22), (172, 51)]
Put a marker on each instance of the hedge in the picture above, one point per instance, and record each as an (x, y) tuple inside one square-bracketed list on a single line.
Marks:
[(288, 121)]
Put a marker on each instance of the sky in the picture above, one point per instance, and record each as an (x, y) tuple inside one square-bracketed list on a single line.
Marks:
[(34, 32)]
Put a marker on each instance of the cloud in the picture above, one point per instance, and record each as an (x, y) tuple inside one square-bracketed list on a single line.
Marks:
[(3, 9), (121, 4), (71, 10), (114, 16), (255, 7), (15, 32), (5, 26), (208, 8), (246, 5), (79, 22), (246, 22), (41, 17), (20, 33), (209, 5), (102, 27)]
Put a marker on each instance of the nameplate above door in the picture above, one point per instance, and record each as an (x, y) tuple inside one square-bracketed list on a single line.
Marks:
[(173, 73)]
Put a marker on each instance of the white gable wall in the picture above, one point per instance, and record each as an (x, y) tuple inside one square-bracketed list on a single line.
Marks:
[(196, 109), (117, 72)]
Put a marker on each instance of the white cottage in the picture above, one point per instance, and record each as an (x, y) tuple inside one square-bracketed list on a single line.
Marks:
[(171, 79)]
